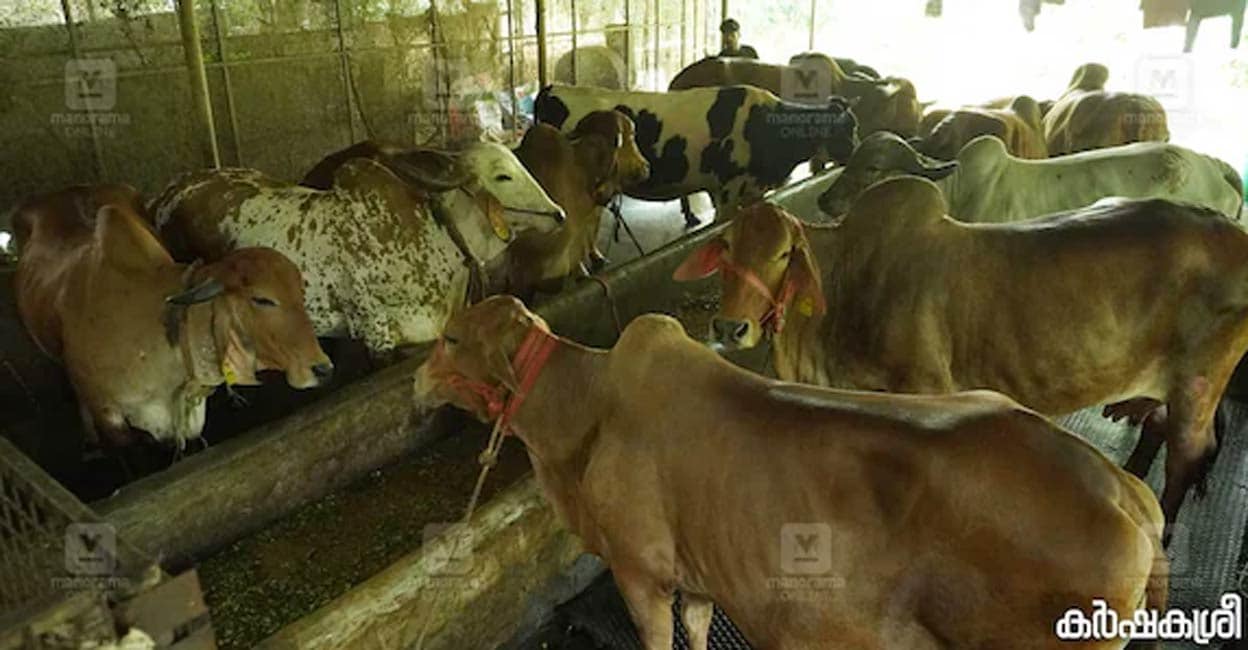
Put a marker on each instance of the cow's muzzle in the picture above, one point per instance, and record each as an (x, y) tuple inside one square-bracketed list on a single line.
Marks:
[(558, 215), (732, 334)]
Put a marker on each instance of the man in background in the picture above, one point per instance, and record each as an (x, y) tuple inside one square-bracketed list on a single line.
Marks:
[(730, 41)]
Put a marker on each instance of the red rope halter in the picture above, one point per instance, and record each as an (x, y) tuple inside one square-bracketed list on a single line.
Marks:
[(528, 363)]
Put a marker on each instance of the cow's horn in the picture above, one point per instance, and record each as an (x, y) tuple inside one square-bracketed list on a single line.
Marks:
[(203, 292), (414, 173)]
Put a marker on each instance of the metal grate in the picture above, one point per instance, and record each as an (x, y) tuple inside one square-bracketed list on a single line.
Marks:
[(51, 545), (32, 532)]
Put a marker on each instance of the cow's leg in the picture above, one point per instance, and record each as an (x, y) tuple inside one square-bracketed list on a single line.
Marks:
[(1190, 443), (696, 615), (650, 606), (1134, 410), (691, 220), (1237, 22), (1193, 26), (1152, 434)]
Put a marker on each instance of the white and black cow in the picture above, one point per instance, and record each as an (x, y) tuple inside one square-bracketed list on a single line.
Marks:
[(379, 266), (734, 142)]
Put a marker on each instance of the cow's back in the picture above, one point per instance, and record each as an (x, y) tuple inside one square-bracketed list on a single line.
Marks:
[(193, 213), (716, 71), (1092, 120), (56, 234)]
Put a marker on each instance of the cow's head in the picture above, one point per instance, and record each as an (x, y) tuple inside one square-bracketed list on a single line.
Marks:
[(495, 173), (888, 104), (257, 319), (768, 274), (840, 138), (473, 364), (882, 155), (630, 166)]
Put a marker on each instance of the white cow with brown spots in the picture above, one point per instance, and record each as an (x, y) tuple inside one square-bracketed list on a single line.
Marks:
[(384, 256)]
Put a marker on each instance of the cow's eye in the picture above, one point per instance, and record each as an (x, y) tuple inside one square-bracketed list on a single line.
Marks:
[(263, 302), (503, 178), (450, 340)]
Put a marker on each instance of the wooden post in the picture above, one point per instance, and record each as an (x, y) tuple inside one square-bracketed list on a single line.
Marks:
[(199, 79), (574, 28), (540, 6), (511, 68)]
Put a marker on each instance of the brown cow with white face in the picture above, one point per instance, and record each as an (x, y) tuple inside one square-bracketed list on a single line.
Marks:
[(145, 340), (1135, 305)]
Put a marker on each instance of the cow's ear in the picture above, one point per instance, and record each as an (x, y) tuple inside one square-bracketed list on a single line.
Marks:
[(808, 299), (597, 157), (234, 344), (702, 262), (202, 292)]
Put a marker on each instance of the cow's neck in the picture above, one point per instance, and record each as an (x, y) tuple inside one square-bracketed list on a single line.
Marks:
[(798, 353), (559, 421)]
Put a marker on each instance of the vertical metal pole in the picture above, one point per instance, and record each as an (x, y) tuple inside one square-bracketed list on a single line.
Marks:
[(511, 68), (628, 46), (540, 5), (723, 10), (97, 153), (574, 30), (693, 27), (684, 11), (199, 79), (444, 96), (811, 46), (658, 14), (345, 62), (225, 82)]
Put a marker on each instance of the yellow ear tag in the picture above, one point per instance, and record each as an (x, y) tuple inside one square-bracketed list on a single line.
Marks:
[(501, 229), (806, 306), (227, 371)]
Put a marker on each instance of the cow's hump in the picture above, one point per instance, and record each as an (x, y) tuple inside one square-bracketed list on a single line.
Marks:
[(899, 202)]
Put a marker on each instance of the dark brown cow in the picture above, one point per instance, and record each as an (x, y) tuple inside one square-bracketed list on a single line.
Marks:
[(581, 172), (1135, 304), (1087, 117), (146, 340), (920, 513)]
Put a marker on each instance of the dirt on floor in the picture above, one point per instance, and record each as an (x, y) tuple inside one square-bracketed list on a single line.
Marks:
[(264, 582)]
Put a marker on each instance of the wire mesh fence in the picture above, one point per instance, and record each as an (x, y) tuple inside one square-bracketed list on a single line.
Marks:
[(100, 90)]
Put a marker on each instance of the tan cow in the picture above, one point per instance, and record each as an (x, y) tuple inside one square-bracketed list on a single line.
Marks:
[(1087, 117), (888, 104), (1135, 304), (581, 172), (146, 340), (920, 512), (1017, 125)]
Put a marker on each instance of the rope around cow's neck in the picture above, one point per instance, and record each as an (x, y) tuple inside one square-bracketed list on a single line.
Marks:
[(531, 357)]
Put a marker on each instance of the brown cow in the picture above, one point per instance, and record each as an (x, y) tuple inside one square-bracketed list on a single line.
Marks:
[(888, 104), (898, 296), (1017, 125), (1086, 116), (580, 171), (924, 511), (146, 340)]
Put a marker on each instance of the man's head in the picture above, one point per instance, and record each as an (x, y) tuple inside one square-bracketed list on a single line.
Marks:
[(730, 35)]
